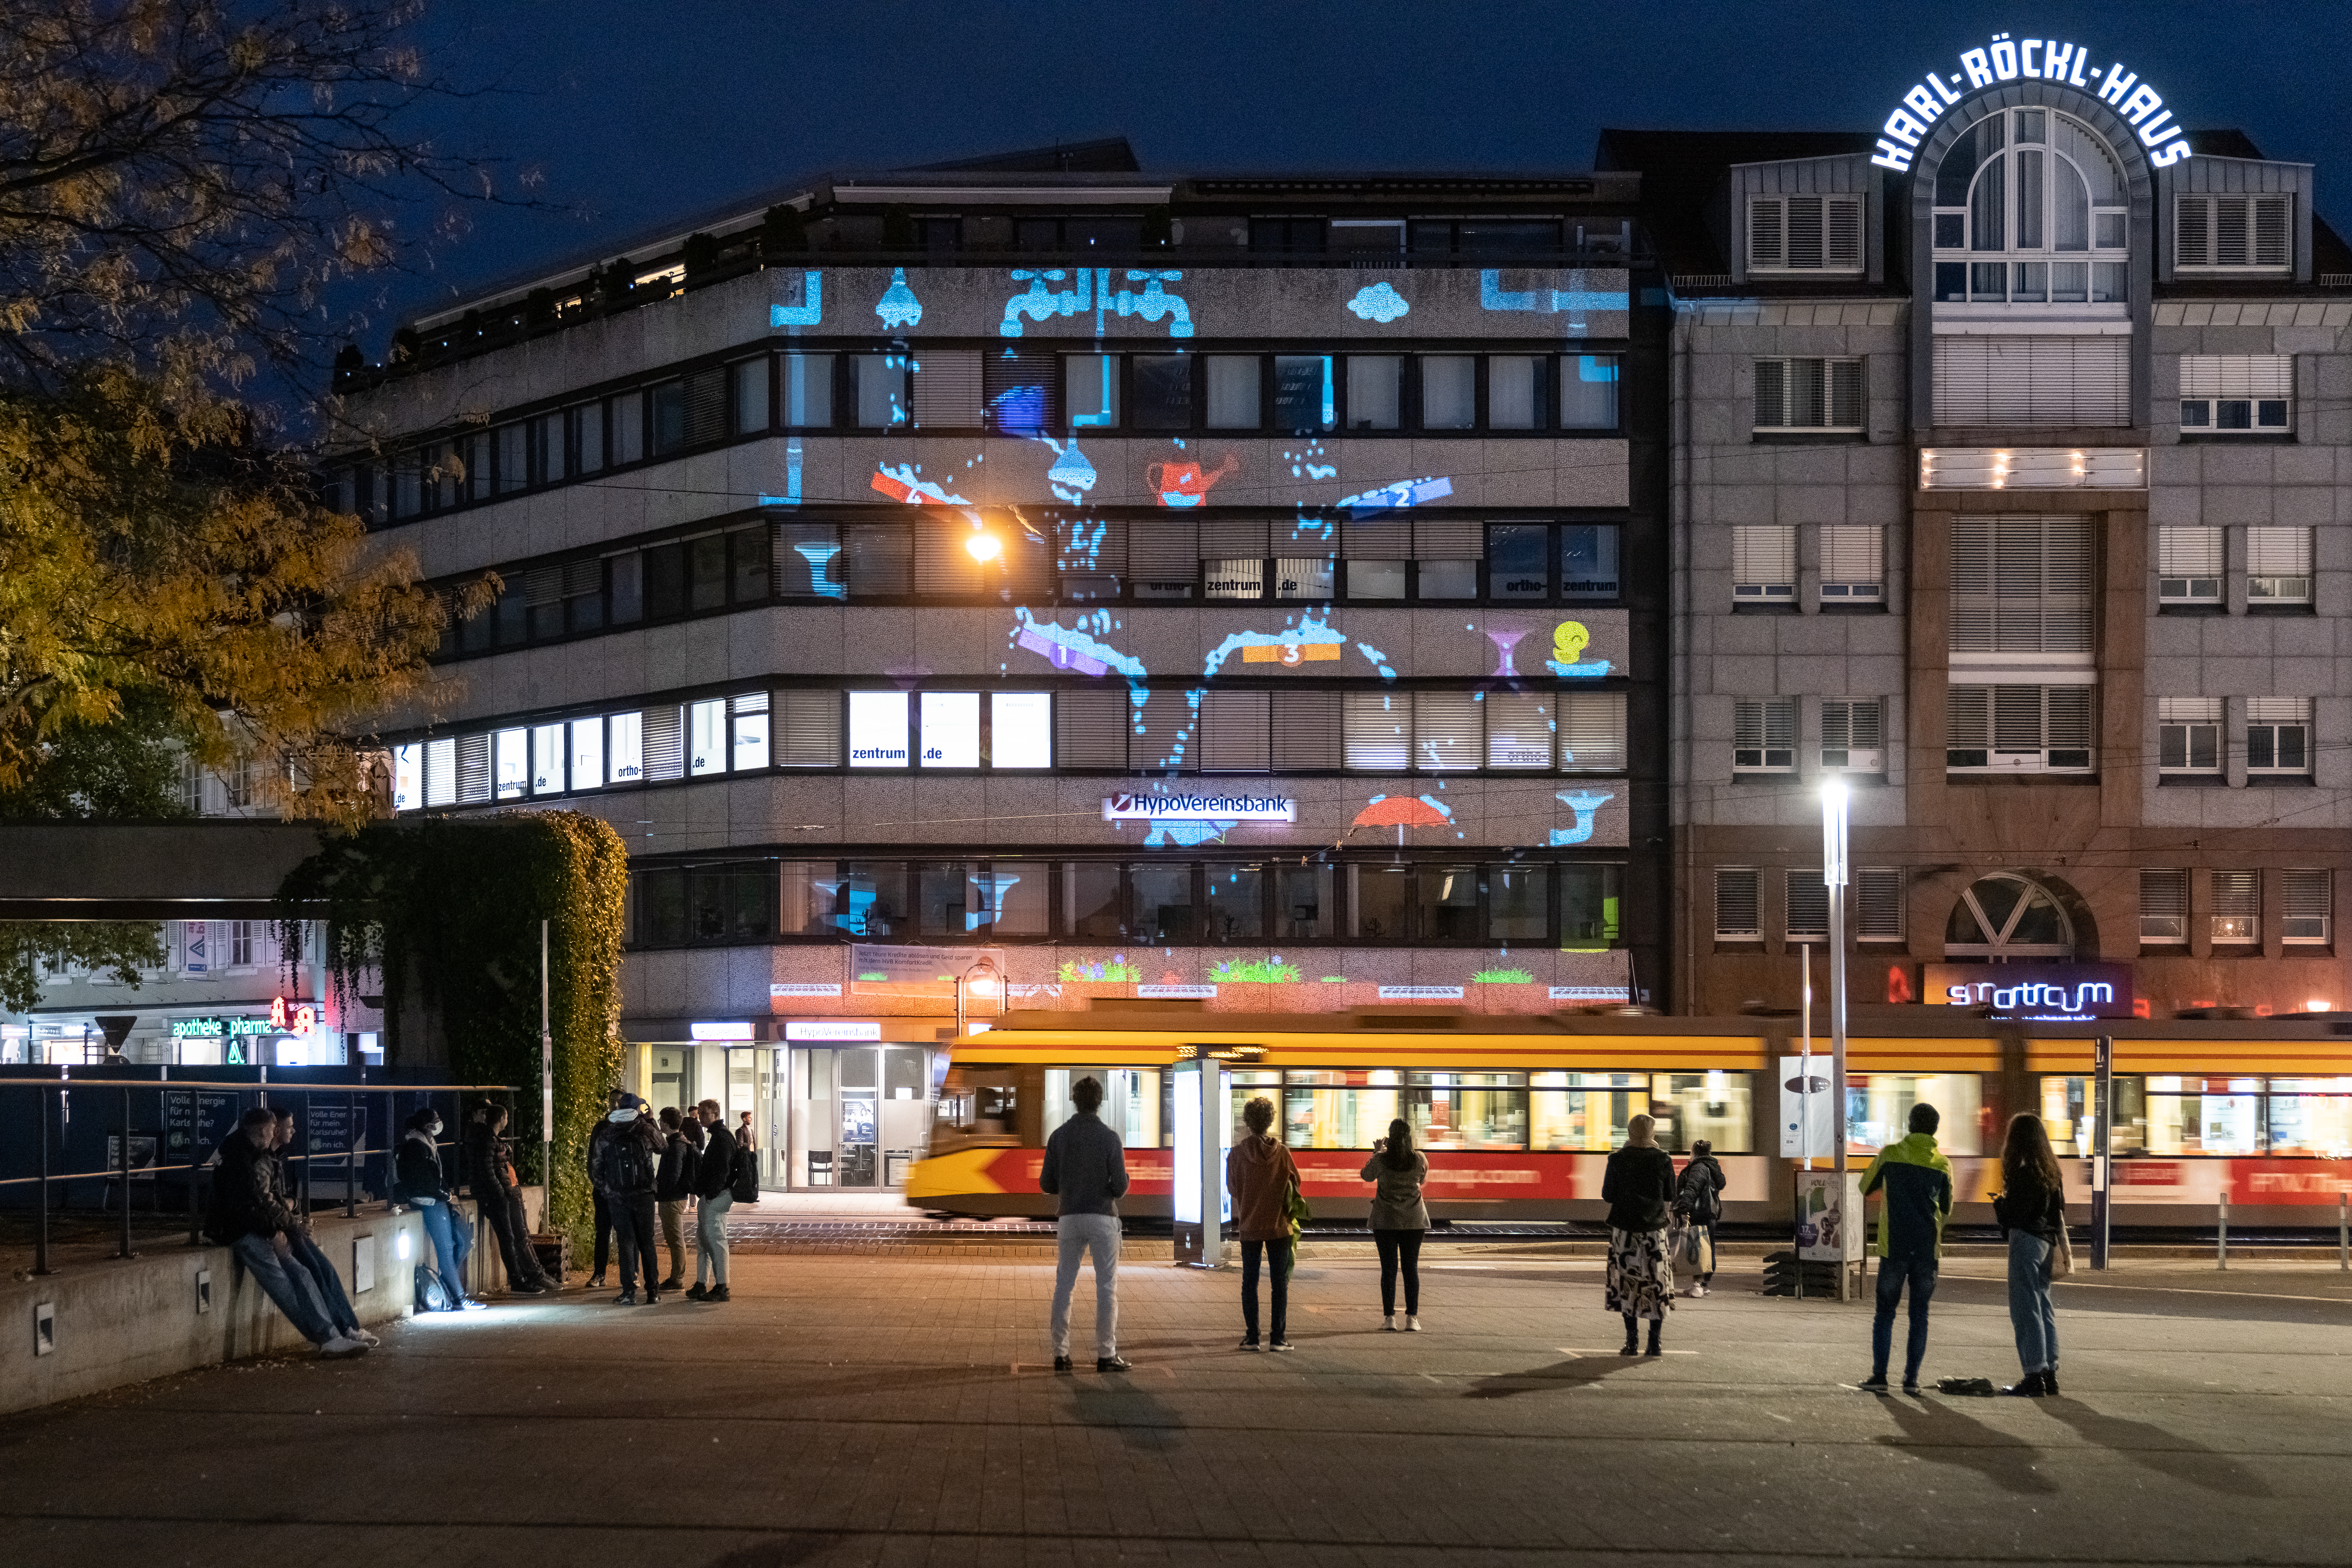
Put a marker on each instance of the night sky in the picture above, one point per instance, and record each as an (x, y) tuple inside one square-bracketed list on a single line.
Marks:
[(634, 114)]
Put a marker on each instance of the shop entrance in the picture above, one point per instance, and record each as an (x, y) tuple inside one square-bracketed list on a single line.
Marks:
[(859, 1115)]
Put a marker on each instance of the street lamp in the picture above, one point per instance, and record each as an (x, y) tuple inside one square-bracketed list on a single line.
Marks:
[(981, 979), (1835, 799), (983, 546)]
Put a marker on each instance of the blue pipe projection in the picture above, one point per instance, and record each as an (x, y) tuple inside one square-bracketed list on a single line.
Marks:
[(1091, 289), (1584, 802), (1577, 303)]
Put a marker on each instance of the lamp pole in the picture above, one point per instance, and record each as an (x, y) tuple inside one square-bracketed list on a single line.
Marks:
[(982, 979), (1835, 798)]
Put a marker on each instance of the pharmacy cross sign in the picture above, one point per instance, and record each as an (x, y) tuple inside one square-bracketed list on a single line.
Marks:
[(2005, 59)]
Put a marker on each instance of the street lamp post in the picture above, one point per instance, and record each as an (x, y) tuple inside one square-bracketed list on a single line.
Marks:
[(981, 980), (1835, 799)]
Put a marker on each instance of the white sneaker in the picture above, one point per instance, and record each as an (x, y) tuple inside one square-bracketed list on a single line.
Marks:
[(1412, 1323), (339, 1346), (1697, 1290), (1388, 1323), (363, 1337)]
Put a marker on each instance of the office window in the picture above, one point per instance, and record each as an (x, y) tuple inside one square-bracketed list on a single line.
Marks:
[(2018, 729), (2278, 566), (1305, 393), (2237, 908), (878, 729), (1587, 392), (2225, 394), (1378, 730), (1519, 730), (2084, 379), (1310, 730), (751, 377), (1235, 736), (808, 391), (473, 772), (1020, 730), (2308, 907), (1163, 392), (881, 559), (1588, 562), (1804, 234), (1853, 565), (2241, 234), (1809, 394), (690, 411), (1514, 392), (879, 386), (626, 752), (1808, 910), (2188, 735), (1090, 391), (588, 753), (1877, 903), (2163, 906), (2278, 736), (513, 443), (1375, 383), (1591, 731), (1234, 393), (1236, 578), (1304, 578), (747, 716), (664, 742), (947, 389), (510, 764), (1159, 908), (2188, 565), (1518, 561), (1738, 904), (706, 738), (1449, 392), (1090, 728), (2022, 585), (1763, 564), (1850, 734), (547, 758), (807, 729), (1764, 736), (1448, 732)]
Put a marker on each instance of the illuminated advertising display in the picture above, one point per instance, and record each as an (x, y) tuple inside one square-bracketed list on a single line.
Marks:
[(2034, 990), (878, 729), (950, 730), (2008, 59), (1193, 806), (625, 761), (1021, 728)]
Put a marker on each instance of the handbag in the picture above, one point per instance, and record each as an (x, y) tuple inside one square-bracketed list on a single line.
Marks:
[(2062, 1257)]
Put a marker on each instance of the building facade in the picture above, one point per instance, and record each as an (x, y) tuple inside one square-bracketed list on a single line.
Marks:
[(1049, 586), (2012, 468)]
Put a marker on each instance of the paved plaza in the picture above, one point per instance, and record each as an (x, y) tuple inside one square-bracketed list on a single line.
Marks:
[(882, 1407)]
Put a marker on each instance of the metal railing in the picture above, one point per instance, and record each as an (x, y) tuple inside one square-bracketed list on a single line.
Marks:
[(54, 1109)]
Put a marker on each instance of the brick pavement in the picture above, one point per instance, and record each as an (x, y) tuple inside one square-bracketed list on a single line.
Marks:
[(880, 1408)]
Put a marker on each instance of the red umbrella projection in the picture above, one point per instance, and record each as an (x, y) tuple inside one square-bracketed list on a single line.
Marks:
[(1401, 812)]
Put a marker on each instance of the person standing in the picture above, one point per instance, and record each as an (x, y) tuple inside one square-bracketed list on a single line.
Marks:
[(2032, 1208), (745, 1138), (714, 1194), (498, 1191), (673, 1185), (629, 1160), (249, 1216), (1698, 1201), (302, 1248), (1917, 1180), (594, 1156), (420, 1181), (1261, 1175), (1085, 1169), (1400, 1220), (1639, 1188)]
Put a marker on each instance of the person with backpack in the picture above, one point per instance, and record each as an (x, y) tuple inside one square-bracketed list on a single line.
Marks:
[(250, 1218), (1638, 1184), (498, 1191), (1400, 1220), (1085, 1172), (1262, 1176), (419, 1181), (714, 1194), (2032, 1209), (1919, 1185), (628, 1166), (673, 1185), (603, 1217), (1698, 1203)]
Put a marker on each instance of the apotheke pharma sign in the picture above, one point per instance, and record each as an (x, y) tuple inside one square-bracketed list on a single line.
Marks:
[(2008, 58)]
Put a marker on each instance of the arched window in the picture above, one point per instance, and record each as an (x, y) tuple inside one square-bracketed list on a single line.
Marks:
[(2031, 210), (2006, 916)]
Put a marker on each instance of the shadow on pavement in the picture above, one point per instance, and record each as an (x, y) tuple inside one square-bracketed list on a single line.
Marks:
[(1142, 1420), (1580, 1372), (1941, 1433), (2158, 1449), (783, 1551)]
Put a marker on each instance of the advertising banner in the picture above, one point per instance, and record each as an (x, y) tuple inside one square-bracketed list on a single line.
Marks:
[(2047, 991), (1808, 1108), (1829, 1222)]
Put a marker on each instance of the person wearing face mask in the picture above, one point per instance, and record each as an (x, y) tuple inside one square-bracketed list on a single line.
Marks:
[(420, 1182), (626, 1162)]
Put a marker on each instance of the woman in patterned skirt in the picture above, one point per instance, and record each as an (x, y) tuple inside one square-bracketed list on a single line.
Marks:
[(1640, 1191)]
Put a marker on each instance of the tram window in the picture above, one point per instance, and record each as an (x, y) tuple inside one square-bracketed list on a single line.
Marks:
[(1710, 1105), (978, 1105), (2311, 1116), (1244, 1085), (2066, 1104), (2204, 1115), (1878, 1110), (1333, 1108), (1467, 1109), (1130, 1108), (1587, 1112)]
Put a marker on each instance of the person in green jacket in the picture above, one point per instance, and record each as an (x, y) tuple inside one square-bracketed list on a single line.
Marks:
[(1917, 1182)]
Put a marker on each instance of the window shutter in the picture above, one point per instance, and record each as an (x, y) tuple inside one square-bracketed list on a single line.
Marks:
[(473, 768), (706, 406), (1968, 718), (1164, 550), (1023, 389), (1765, 248), (1805, 231), (2278, 709), (2189, 552), (2070, 719), (1377, 538), (2080, 380), (1448, 731), (1771, 393), (947, 389), (1846, 395), (1878, 903), (1025, 567), (1808, 910), (2230, 232), (1736, 913), (1850, 724), (2164, 906), (943, 567), (1308, 730), (2188, 709), (2272, 231), (1518, 731), (2022, 585), (881, 559), (2238, 894), (1592, 732), (1379, 730), (1764, 735), (1163, 737), (1233, 539), (1234, 732), (807, 729), (1853, 556), (2237, 375), (1448, 539), (2278, 553), (1844, 214), (2193, 232), (1763, 562), (665, 741), (2017, 718), (1090, 546), (2307, 900), (1090, 727)]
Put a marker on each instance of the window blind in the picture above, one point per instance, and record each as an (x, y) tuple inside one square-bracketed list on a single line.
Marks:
[(942, 564), (473, 768), (1763, 562), (2022, 585), (1025, 567), (1449, 539), (1163, 736), (1377, 538), (2082, 380), (1234, 732), (706, 406), (881, 560), (2278, 553), (1764, 735), (1164, 550), (1086, 546), (947, 394), (2307, 900), (1308, 730), (1090, 727), (1808, 394), (2189, 552), (1808, 909), (1737, 912), (2238, 894), (807, 729), (1850, 732), (1231, 538), (751, 377), (2237, 375), (2233, 231), (1804, 234), (1591, 731), (1448, 731), (1519, 730), (1852, 557), (1022, 390), (664, 742), (1379, 730), (2164, 906), (1878, 903)]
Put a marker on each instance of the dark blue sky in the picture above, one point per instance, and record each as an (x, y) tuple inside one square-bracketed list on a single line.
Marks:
[(635, 113)]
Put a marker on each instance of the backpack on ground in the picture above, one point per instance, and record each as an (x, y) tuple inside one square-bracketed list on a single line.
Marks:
[(432, 1296), (744, 1179)]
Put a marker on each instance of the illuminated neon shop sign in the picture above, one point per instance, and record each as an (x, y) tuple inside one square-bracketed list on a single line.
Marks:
[(2030, 59), (1200, 808)]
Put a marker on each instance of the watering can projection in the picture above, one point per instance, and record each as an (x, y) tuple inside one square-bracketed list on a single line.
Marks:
[(1401, 812), (1568, 644), (1584, 804), (1186, 483)]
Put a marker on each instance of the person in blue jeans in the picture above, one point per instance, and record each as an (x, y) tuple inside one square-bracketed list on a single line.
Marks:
[(250, 1217), (303, 1248), (2032, 1208), (420, 1182), (1917, 1182)]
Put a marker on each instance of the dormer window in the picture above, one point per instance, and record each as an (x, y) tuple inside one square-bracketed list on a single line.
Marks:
[(1804, 235), (2031, 209), (2235, 234)]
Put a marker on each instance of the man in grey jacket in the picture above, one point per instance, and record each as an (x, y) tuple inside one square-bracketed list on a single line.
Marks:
[(1086, 1169)]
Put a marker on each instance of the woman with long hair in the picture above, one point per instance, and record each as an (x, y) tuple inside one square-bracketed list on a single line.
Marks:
[(1638, 1187), (1400, 1220), (2032, 1208)]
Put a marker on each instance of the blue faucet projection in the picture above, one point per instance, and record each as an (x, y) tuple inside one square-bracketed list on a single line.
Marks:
[(1091, 290)]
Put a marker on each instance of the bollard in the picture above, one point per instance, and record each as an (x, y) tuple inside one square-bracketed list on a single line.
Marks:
[(41, 1232), (123, 1173), (2222, 1236), (352, 1139), (2343, 1231)]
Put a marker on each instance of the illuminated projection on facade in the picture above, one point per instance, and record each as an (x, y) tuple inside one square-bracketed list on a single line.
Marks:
[(2013, 59)]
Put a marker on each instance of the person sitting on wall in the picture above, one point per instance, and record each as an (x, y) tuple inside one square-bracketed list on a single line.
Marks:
[(304, 1247), (250, 1218)]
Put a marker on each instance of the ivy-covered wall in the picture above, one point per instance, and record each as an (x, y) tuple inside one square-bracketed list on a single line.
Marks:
[(449, 911)]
